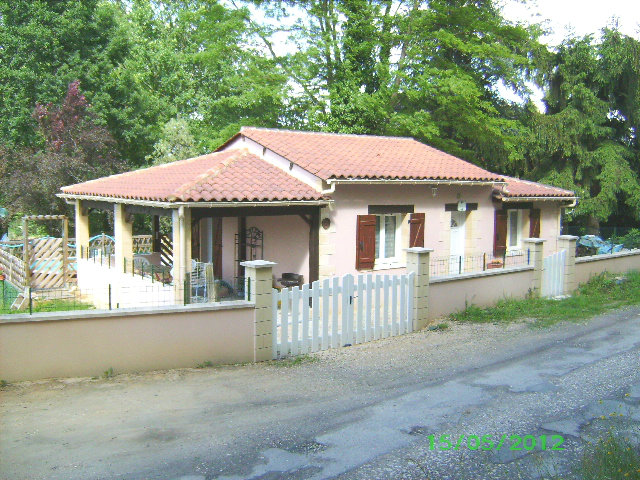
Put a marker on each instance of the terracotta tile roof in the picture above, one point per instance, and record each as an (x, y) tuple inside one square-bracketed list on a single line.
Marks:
[(232, 175), (331, 155), (517, 187)]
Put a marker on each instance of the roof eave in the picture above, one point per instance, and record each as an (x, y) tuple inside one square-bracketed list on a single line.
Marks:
[(165, 204), (414, 181)]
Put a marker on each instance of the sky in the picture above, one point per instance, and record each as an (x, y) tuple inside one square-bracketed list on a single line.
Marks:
[(571, 17), (580, 17)]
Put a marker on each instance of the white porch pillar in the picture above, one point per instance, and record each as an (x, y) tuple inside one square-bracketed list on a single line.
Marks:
[(82, 230), (181, 255), (123, 232)]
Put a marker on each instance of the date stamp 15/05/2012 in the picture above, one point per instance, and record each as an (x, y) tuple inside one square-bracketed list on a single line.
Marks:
[(497, 443)]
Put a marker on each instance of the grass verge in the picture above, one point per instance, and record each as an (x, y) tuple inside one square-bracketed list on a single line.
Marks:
[(603, 292), (611, 458)]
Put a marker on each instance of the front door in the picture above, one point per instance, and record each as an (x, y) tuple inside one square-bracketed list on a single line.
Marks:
[(456, 252)]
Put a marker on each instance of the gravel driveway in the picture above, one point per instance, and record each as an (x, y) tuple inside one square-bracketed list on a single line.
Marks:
[(363, 412)]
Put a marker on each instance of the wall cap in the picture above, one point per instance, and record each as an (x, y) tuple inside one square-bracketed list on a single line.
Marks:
[(258, 264), (568, 237), (607, 256), (534, 240), (418, 250), (122, 312), (487, 273)]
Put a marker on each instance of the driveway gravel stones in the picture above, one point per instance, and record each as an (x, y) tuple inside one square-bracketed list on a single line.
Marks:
[(361, 412)]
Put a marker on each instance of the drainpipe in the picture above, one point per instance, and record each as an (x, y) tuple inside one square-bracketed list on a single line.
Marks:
[(329, 191)]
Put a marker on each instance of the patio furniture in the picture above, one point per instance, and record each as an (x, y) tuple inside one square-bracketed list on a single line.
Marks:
[(291, 280)]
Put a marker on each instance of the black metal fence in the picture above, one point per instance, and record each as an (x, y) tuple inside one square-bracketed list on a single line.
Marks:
[(459, 264)]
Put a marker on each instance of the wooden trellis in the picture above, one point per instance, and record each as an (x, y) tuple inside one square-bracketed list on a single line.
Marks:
[(52, 267)]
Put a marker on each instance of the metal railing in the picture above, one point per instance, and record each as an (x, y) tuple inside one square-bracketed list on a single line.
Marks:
[(458, 264)]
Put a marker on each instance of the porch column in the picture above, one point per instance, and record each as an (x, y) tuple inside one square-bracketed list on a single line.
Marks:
[(155, 235), (82, 230), (536, 255), (568, 243), (314, 246), (181, 250), (327, 246), (418, 263), (123, 232), (259, 290)]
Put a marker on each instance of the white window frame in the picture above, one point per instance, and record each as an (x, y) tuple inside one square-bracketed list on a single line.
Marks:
[(517, 249), (390, 262)]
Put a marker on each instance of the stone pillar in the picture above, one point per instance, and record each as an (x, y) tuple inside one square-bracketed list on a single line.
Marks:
[(568, 243), (418, 263), (327, 244), (258, 274), (123, 233), (82, 230), (535, 246)]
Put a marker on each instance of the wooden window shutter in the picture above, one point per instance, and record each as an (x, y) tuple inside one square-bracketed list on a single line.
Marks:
[(500, 233), (366, 242), (416, 230), (534, 223)]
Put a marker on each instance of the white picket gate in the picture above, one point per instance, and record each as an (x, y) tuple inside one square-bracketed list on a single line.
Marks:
[(553, 275), (339, 311)]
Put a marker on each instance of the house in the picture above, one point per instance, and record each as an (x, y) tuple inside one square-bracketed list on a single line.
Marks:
[(323, 204)]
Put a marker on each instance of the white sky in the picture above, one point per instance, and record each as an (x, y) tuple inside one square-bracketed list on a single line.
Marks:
[(580, 17)]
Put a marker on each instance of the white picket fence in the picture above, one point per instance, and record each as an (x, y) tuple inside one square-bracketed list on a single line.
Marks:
[(339, 311), (553, 275)]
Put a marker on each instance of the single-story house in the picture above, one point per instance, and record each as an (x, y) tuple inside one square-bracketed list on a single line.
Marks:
[(324, 204)]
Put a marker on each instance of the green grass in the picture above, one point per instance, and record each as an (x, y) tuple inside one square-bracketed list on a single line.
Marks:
[(602, 293), (9, 293), (611, 458), (295, 361)]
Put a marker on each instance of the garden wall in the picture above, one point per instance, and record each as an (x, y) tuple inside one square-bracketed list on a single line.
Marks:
[(87, 343), (452, 294), (621, 262)]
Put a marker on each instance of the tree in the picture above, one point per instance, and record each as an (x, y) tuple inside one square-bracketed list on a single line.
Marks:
[(587, 140), (424, 69), (75, 149), (175, 143)]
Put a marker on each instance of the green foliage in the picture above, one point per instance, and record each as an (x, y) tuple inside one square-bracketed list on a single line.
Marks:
[(176, 143), (630, 240), (206, 364), (587, 142), (108, 373), (603, 292), (612, 457)]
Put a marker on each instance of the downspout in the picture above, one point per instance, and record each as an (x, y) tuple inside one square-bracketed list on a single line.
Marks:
[(330, 191)]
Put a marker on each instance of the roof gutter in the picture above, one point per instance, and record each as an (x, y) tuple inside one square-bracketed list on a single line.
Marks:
[(362, 181), (173, 205), (573, 200)]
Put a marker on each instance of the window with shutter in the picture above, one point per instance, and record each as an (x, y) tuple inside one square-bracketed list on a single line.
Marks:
[(534, 223), (366, 242), (500, 233), (416, 230)]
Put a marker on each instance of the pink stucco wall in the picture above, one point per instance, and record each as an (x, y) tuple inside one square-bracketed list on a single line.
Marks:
[(354, 200), (286, 242)]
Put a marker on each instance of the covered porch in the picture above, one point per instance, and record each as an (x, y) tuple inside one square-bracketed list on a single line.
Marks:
[(199, 259)]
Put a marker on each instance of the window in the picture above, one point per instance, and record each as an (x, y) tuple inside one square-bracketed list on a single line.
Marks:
[(387, 238), (514, 230)]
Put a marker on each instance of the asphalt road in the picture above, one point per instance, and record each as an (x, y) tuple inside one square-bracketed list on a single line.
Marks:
[(364, 412)]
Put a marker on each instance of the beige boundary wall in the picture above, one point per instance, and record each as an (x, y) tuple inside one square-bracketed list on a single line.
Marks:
[(587, 267), (449, 295), (87, 343)]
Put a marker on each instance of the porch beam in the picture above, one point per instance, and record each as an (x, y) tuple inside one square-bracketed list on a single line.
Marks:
[(155, 211), (253, 211), (94, 205), (314, 245)]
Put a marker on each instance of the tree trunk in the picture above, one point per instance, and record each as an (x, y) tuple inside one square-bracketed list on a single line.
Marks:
[(593, 225)]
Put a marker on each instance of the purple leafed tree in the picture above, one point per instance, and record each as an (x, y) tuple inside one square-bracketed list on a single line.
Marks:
[(75, 148)]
